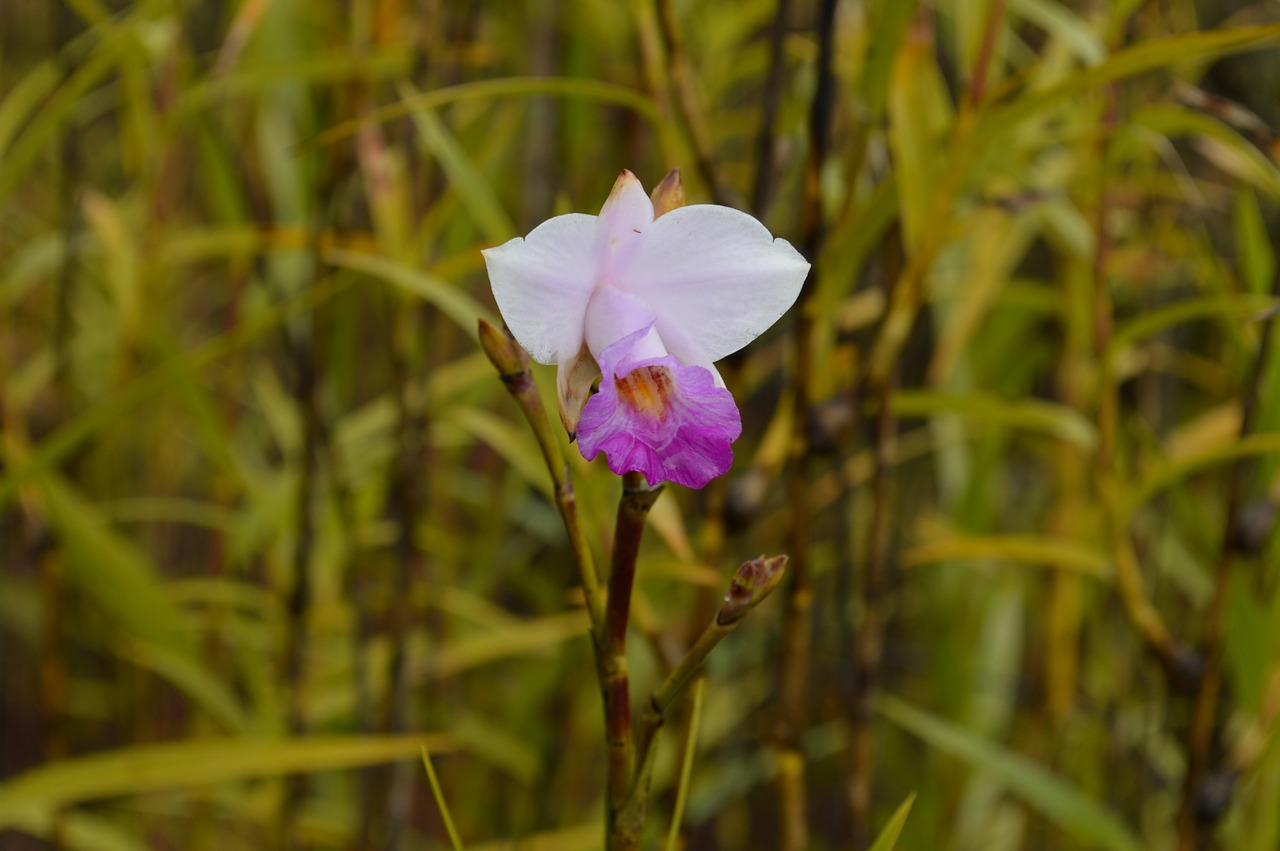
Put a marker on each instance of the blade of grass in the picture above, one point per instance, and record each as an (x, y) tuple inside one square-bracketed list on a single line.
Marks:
[(24, 99), (111, 570), (686, 765), (888, 838), (452, 300), (1018, 549), (1031, 414), (143, 769), (1059, 802), (477, 196), (440, 802)]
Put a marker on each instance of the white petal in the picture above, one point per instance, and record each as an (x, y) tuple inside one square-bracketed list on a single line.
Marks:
[(625, 216), (715, 277), (612, 315), (542, 284)]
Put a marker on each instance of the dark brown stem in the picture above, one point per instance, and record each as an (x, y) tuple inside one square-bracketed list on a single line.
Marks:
[(762, 192), (545, 54), (625, 823), (633, 508), (682, 83), (798, 621), (53, 589), (299, 600), (1191, 820), (305, 356), (408, 486), (869, 638)]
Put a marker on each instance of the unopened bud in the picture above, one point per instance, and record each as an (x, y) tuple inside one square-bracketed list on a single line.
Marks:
[(668, 194), (752, 583), (503, 351)]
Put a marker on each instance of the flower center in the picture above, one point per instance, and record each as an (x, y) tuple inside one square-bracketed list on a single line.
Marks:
[(646, 390)]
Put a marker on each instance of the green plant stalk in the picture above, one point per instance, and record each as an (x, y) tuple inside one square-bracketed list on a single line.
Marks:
[(686, 764), (625, 822), (753, 582), (513, 368)]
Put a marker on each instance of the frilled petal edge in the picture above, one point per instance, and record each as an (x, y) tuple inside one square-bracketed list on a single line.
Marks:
[(660, 417)]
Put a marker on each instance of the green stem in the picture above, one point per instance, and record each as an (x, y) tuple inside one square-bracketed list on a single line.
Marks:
[(513, 368), (753, 582)]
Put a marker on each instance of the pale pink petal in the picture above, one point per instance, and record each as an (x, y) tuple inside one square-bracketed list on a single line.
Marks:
[(612, 315), (542, 284), (623, 220), (714, 276), (662, 418)]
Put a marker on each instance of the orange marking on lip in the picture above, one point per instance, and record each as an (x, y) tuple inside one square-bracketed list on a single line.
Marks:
[(646, 390)]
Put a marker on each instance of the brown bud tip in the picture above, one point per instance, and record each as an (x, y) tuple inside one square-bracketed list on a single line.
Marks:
[(752, 583), (503, 351), (668, 194)]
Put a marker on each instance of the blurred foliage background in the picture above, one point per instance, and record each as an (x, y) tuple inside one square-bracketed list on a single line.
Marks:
[(269, 522)]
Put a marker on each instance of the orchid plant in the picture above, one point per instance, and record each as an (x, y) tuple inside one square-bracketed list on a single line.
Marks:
[(635, 306)]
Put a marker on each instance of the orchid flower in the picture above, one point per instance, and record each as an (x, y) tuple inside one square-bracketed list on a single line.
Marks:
[(648, 304)]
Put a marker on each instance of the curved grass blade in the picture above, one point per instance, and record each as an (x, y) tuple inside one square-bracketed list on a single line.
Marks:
[(1029, 414), (194, 763), (438, 793), (686, 767), (113, 572), (1018, 549), (888, 838), (1057, 801), (452, 300)]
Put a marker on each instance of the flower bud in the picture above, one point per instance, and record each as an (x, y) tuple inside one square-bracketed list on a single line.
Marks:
[(503, 352), (668, 194), (752, 583)]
